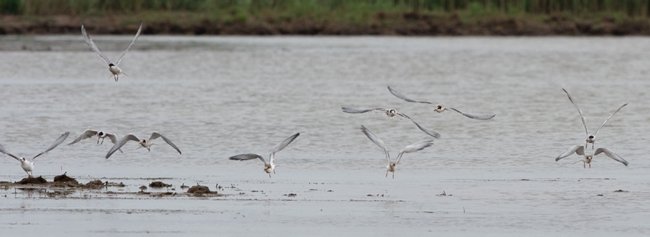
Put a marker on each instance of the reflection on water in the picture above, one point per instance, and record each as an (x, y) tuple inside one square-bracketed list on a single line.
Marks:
[(220, 96)]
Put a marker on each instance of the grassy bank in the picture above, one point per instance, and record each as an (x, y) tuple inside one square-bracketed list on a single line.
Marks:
[(410, 17)]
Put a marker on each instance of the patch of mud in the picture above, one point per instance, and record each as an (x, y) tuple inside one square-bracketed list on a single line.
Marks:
[(64, 178), (96, 184), (198, 189), (158, 184), (31, 180)]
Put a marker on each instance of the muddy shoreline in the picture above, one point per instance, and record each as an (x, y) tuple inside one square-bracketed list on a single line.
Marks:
[(63, 186), (409, 23)]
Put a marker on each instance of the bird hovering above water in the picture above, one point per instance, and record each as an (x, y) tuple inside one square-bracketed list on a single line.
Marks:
[(590, 138), (268, 167), (28, 166), (391, 113), (112, 67), (390, 167), (146, 143), (580, 150), (101, 135), (440, 107)]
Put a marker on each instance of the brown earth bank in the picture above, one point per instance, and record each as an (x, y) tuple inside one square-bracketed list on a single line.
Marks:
[(409, 23)]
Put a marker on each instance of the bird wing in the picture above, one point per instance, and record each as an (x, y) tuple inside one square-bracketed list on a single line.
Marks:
[(413, 148), (137, 34), (92, 45), (399, 95), (580, 150), (584, 119), (427, 131), (86, 134), (376, 140), (474, 116), (3, 150), (155, 135), (241, 157), (611, 154), (121, 143), (358, 111), (281, 146), (112, 137), (601, 126), (56, 143)]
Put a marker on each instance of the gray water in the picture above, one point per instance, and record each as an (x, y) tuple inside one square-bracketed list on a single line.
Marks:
[(215, 97)]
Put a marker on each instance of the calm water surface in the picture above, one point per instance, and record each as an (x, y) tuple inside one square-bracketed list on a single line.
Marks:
[(220, 96)]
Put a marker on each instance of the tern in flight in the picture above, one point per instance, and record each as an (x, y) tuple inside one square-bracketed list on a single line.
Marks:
[(268, 167), (408, 149), (590, 138), (101, 135), (28, 166), (440, 107), (146, 143), (116, 71), (580, 150), (391, 113)]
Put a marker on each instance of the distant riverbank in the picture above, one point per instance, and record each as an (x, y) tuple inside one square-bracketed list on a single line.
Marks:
[(329, 17), (406, 23)]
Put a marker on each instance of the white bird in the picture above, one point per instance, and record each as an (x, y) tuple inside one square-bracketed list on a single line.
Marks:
[(28, 166), (268, 167), (580, 150), (112, 67), (590, 138), (100, 135), (146, 143), (408, 149), (440, 107), (391, 113)]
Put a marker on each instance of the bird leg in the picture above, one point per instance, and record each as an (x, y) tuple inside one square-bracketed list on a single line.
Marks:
[(386, 173), (589, 165), (149, 147), (102, 140), (269, 175), (393, 174)]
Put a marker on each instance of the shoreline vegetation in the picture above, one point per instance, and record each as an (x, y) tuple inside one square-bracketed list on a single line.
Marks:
[(328, 17)]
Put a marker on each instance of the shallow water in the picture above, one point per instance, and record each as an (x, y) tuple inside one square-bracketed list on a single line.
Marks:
[(215, 97)]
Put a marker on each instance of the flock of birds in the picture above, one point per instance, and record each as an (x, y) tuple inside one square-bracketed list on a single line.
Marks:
[(269, 167), (391, 113)]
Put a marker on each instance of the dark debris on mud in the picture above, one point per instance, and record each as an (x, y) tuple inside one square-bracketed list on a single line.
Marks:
[(198, 189), (64, 178), (64, 185), (32, 180), (96, 184), (158, 184)]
